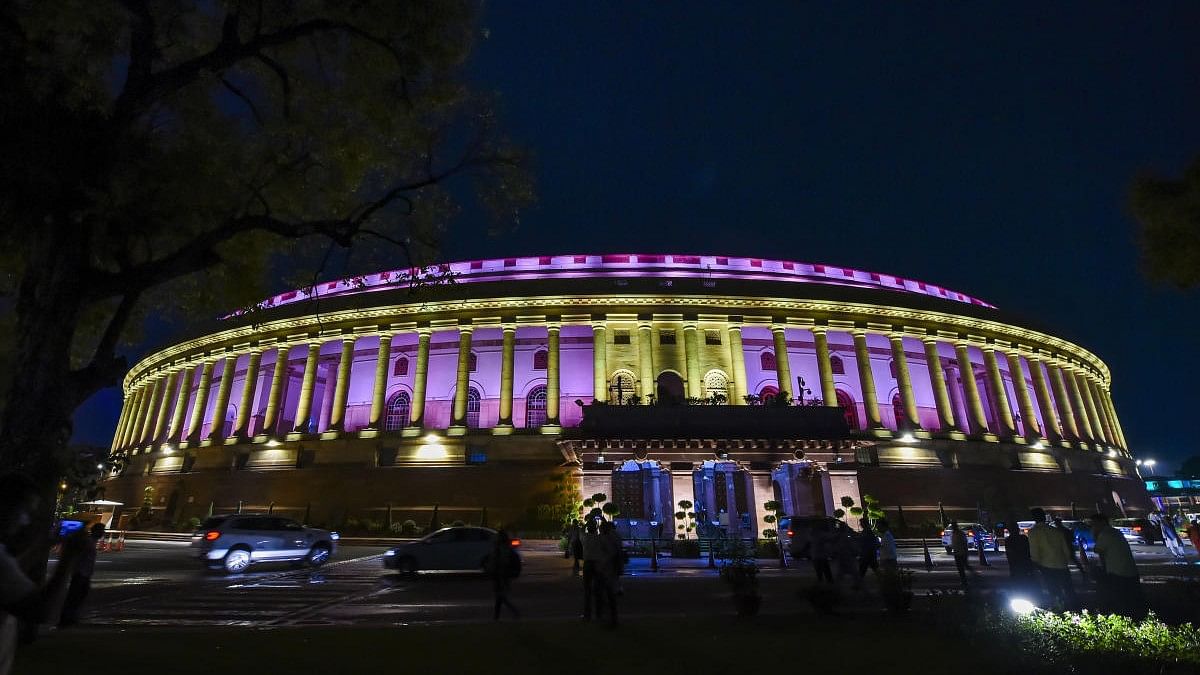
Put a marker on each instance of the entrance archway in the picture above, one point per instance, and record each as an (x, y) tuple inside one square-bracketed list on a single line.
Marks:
[(670, 388)]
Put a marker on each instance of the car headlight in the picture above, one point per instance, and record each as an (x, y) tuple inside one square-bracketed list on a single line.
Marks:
[(334, 536), (389, 552)]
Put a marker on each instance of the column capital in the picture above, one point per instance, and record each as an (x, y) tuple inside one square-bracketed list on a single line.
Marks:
[(689, 325), (645, 325), (859, 332), (466, 330), (894, 335), (819, 330), (553, 327), (599, 325), (508, 327)]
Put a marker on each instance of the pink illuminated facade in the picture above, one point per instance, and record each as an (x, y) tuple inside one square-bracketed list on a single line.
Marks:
[(463, 385)]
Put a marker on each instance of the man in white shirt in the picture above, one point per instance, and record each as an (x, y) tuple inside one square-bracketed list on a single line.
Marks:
[(1052, 557), (887, 546)]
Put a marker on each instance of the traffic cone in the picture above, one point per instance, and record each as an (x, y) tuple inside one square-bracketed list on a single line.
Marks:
[(120, 544)]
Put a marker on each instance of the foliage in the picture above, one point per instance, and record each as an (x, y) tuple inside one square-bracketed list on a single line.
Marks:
[(1168, 211), (611, 510), (685, 548), (870, 509), (772, 508), (686, 518), (409, 528)]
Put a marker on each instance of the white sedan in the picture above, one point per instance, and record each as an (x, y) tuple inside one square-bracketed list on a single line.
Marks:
[(450, 548)]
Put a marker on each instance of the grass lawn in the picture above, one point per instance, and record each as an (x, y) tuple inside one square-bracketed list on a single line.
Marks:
[(717, 644)]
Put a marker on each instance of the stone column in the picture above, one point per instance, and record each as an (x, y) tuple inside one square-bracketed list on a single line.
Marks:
[(271, 417), (1064, 404), (866, 379), (1089, 406), (216, 428), (646, 359), (337, 416), (824, 367), (382, 358), (783, 365), (308, 383), (904, 380), (552, 389), (200, 405), (420, 378), (185, 390), (1024, 402), (1050, 425), (164, 407), (143, 418), (937, 380), (133, 402), (248, 389), (999, 394), (691, 359), (151, 412), (970, 389), (463, 381), (599, 363), (506, 375), (1081, 417), (737, 358), (120, 428), (1093, 390), (1112, 415)]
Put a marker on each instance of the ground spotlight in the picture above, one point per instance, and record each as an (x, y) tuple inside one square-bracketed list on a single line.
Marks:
[(907, 437), (1022, 606)]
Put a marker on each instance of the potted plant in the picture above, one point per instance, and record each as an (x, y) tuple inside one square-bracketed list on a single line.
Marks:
[(740, 571)]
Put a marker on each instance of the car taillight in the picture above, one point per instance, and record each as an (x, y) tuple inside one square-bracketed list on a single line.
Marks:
[(1137, 528), (515, 543), (211, 535), (791, 534), (970, 533)]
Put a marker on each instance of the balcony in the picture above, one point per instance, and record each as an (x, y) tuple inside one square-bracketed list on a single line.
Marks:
[(713, 421)]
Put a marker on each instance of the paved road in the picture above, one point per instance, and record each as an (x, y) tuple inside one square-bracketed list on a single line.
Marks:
[(156, 583)]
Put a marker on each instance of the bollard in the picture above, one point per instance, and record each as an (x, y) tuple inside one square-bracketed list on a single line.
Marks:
[(928, 560), (120, 544)]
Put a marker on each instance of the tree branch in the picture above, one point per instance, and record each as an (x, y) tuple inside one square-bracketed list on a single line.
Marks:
[(246, 99)]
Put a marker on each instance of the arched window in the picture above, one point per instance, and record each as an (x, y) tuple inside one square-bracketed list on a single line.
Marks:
[(399, 406), (768, 393), (473, 399), (540, 358), (902, 421), (716, 384), (401, 367), (836, 365), (766, 360), (535, 408), (849, 409), (622, 386), (472, 362)]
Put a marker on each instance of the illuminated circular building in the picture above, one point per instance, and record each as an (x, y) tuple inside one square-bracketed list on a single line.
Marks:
[(651, 378)]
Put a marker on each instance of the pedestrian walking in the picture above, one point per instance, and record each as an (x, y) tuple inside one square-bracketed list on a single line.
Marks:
[(615, 546), (845, 555), (821, 550), (1020, 565), (1193, 533), (1171, 537), (609, 569), (504, 565), (81, 580), (593, 560), (868, 550), (888, 561), (980, 540), (1118, 579), (960, 551), (575, 545), (1052, 557)]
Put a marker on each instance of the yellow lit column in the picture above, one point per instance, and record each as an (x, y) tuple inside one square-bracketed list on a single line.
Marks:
[(151, 410), (691, 358), (552, 389), (164, 407), (216, 427), (1093, 390), (824, 367), (337, 416), (937, 380), (1106, 396), (420, 378), (966, 373), (866, 379), (134, 403), (185, 390), (201, 403), (1070, 427), (308, 384), (121, 420), (508, 346), (999, 395), (646, 359), (1085, 393), (737, 358), (783, 365), (904, 380), (1050, 425), (271, 416), (599, 363), (379, 389), (1081, 416), (249, 385), (463, 382), (135, 431), (1024, 402)]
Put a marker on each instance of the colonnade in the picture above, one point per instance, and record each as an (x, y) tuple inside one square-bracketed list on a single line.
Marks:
[(1068, 403)]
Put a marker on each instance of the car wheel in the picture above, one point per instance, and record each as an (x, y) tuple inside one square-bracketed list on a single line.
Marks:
[(236, 561), (949, 551), (319, 555)]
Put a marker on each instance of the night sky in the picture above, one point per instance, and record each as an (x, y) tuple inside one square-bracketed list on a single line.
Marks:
[(985, 148)]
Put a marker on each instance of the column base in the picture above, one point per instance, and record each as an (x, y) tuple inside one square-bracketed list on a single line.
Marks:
[(880, 432), (503, 430), (550, 429), (368, 433), (456, 430), (411, 432), (329, 435)]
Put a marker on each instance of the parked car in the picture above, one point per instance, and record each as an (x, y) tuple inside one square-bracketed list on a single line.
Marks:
[(1082, 534), (450, 548), (969, 529), (1138, 530), (233, 543), (796, 532)]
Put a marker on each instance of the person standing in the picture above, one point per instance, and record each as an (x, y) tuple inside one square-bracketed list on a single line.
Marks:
[(1020, 565), (575, 545), (868, 550), (609, 569), (81, 581), (593, 561), (503, 566), (1171, 537), (1119, 578), (1052, 557), (820, 550), (845, 555), (1193, 533), (887, 547), (981, 544), (958, 548)]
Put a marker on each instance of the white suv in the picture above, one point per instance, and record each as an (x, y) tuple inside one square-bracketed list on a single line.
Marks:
[(234, 543)]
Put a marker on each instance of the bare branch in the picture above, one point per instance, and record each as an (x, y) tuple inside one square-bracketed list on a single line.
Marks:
[(283, 81), (246, 99), (141, 44)]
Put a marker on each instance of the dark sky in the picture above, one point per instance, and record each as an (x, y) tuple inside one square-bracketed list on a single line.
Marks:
[(985, 148)]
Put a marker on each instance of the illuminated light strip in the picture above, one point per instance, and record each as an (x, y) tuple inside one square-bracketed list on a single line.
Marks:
[(616, 265), (271, 330)]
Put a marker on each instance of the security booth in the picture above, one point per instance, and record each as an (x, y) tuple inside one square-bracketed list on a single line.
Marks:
[(641, 490)]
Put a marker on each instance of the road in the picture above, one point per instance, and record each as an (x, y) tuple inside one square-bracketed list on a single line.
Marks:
[(157, 584)]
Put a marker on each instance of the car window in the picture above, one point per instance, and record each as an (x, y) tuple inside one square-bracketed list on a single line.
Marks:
[(479, 534), (441, 537), (210, 523), (291, 525), (246, 524)]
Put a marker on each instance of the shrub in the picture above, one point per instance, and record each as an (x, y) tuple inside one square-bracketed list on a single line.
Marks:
[(685, 548), (397, 528), (457, 523), (409, 528), (374, 525), (766, 549)]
